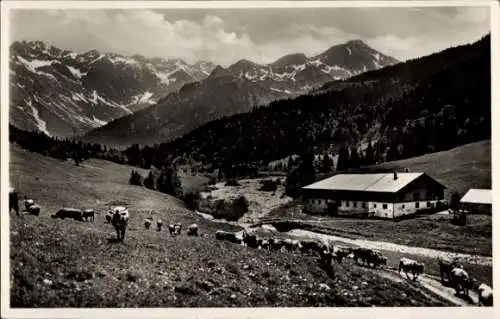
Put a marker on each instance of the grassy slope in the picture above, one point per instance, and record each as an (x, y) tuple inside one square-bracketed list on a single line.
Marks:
[(462, 168), (70, 263)]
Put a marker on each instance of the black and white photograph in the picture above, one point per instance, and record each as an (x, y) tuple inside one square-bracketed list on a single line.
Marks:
[(250, 155)]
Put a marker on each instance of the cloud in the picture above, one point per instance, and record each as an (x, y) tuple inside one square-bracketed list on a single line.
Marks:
[(221, 37)]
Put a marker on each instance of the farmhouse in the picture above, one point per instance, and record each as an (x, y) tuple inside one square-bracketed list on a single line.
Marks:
[(385, 195), (478, 201)]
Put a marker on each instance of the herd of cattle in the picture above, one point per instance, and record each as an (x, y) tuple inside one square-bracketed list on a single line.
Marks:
[(450, 269), (119, 216)]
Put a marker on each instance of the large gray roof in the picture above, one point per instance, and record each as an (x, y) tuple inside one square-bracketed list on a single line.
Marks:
[(381, 182)]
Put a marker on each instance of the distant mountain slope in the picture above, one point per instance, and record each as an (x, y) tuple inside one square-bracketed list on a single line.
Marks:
[(237, 89), (220, 94), (404, 110), (296, 73), (62, 93)]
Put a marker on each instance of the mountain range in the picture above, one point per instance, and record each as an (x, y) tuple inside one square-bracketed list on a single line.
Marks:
[(238, 89), (63, 93), (144, 100)]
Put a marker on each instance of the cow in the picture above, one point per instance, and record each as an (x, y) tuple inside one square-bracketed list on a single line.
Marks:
[(409, 265), (227, 236), (159, 224), (445, 267), (192, 230), (68, 212), (310, 247), (147, 222), (250, 239), (28, 203), (177, 228), (325, 258), (362, 254), (276, 244), (460, 281), (34, 210), (264, 243), (120, 221), (88, 214), (13, 200), (377, 259), (341, 252), (485, 294), (291, 245), (171, 229), (109, 216)]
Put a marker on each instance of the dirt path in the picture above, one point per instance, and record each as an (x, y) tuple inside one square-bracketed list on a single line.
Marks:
[(429, 286), (380, 245)]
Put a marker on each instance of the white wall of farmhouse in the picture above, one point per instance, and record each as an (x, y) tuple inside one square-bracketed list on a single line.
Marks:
[(317, 205)]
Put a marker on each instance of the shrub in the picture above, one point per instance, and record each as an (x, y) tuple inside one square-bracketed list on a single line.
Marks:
[(231, 211), (149, 182), (268, 186), (232, 182)]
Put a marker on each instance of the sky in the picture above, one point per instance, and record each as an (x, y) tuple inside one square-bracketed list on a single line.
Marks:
[(225, 36)]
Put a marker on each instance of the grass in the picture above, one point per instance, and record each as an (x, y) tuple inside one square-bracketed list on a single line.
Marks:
[(66, 263), (459, 169)]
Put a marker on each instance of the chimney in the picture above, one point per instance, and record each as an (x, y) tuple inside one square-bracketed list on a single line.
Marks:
[(395, 175)]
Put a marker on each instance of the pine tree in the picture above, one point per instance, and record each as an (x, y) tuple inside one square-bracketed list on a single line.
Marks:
[(149, 182), (355, 160), (343, 161), (369, 155)]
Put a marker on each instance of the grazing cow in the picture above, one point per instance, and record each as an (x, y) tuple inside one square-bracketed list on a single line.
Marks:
[(34, 210), (177, 228), (325, 257), (159, 224), (109, 216), (28, 203), (227, 236), (89, 214), (276, 244), (192, 230), (68, 212), (377, 259), (485, 293), (120, 222), (341, 252), (460, 281), (171, 229), (311, 247), (13, 200), (291, 245), (409, 265), (264, 244), (250, 239), (147, 222), (445, 267), (362, 254)]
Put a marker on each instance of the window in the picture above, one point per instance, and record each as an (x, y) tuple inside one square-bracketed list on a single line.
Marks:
[(403, 206), (354, 204), (384, 206), (363, 205), (374, 205), (417, 205), (428, 204), (346, 204)]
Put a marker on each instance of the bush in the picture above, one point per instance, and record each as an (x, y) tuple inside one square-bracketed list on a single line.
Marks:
[(232, 182), (135, 179), (231, 211), (268, 186)]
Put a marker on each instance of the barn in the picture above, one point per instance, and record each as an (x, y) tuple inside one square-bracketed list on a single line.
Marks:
[(384, 195), (477, 201)]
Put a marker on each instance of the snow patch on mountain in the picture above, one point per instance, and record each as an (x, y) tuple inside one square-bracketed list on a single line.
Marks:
[(76, 72), (41, 124)]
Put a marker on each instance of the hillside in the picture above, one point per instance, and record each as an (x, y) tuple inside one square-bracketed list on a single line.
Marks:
[(459, 169), (446, 106), (63, 93), (237, 89), (64, 263)]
